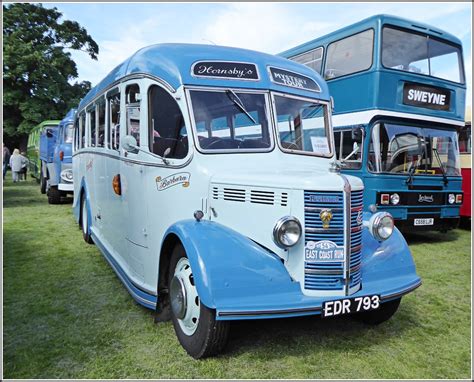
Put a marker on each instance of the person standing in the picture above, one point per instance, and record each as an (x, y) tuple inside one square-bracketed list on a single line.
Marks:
[(24, 167), (16, 163), (6, 160)]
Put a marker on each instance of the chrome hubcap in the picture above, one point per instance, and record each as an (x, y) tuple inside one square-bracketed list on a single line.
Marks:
[(184, 298)]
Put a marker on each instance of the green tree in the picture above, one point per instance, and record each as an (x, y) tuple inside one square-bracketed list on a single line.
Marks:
[(37, 66)]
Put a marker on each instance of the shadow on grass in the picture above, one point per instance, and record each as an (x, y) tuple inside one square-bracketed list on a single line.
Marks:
[(301, 334), (23, 195), (430, 237)]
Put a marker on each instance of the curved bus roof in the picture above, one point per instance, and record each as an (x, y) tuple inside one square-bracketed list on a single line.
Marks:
[(172, 63), (372, 22)]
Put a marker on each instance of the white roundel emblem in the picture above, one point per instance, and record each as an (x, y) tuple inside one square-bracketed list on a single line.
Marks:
[(311, 244)]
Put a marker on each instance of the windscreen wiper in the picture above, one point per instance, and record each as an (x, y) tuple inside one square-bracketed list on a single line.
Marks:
[(441, 166), (238, 102)]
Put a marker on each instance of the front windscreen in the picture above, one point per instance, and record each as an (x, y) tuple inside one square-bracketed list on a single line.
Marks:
[(302, 126), (422, 54), (231, 120), (68, 133), (402, 149)]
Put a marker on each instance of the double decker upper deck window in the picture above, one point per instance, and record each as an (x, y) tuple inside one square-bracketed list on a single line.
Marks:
[(350, 55), (312, 59), (422, 54)]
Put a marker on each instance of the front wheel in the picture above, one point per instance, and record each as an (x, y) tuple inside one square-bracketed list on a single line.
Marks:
[(84, 221), (54, 195), (196, 327), (382, 314)]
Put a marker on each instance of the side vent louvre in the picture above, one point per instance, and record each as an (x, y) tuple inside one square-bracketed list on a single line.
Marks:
[(262, 197), (235, 194), (253, 196)]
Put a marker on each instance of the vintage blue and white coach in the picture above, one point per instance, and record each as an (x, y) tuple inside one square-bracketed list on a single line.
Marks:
[(206, 176)]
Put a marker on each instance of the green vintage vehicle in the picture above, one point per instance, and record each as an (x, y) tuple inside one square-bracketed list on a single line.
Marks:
[(32, 151)]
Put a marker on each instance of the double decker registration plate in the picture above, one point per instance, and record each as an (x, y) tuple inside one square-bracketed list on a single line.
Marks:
[(350, 305), (425, 221)]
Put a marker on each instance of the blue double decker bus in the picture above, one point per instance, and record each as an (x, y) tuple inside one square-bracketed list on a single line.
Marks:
[(399, 95)]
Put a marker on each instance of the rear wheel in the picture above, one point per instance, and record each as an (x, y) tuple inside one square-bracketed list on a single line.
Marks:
[(54, 195), (382, 314), (196, 327), (84, 221)]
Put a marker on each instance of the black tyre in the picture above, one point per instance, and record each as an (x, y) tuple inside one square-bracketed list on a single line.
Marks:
[(42, 183), (84, 221), (54, 195), (382, 314), (196, 327)]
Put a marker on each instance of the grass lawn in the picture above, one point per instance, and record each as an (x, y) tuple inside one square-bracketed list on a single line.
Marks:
[(67, 315)]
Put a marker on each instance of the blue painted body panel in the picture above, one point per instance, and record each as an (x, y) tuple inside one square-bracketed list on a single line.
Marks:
[(47, 144), (172, 63), (242, 280)]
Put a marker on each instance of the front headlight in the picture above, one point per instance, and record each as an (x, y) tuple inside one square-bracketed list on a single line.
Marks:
[(287, 232), (381, 225), (66, 175)]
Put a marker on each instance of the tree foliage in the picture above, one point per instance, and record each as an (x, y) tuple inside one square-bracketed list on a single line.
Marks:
[(37, 65)]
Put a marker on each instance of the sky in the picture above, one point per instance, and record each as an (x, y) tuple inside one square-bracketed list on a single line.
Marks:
[(120, 29)]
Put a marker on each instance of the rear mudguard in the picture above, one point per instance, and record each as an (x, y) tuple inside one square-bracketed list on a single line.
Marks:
[(240, 279)]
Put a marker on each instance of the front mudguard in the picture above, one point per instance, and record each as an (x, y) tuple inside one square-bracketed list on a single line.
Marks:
[(242, 280), (226, 264)]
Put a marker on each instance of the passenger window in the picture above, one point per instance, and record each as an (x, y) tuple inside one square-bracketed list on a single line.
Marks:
[(167, 132), (312, 59), (82, 127), (133, 111), (349, 55), (92, 124), (114, 121), (101, 127), (76, 134), (348, 144)]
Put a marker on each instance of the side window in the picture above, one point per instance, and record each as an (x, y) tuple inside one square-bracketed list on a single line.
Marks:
[(350, 55), (82, 127), (313, 59), (114, 121), (167, 132), (101, 126), (76, 134), (133, 111), (92, 124), (348, 144)]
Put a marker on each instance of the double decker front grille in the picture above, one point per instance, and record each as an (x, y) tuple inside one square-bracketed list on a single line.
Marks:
[(330, 275)]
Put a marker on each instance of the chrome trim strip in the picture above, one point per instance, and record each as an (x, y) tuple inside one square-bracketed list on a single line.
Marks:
[(401, 293), (347, 233), (268, 312), (135, 161)]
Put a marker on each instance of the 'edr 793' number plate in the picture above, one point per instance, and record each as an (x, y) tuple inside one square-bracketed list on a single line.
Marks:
[(350, 305)]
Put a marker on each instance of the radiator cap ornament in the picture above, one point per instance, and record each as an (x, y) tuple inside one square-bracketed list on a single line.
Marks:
[(325, 216)]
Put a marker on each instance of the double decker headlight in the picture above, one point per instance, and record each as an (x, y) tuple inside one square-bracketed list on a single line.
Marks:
[(287, 232), (381, 225)]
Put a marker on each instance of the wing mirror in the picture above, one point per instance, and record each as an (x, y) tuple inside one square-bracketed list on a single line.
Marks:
[(49, 133), (129, 143)]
